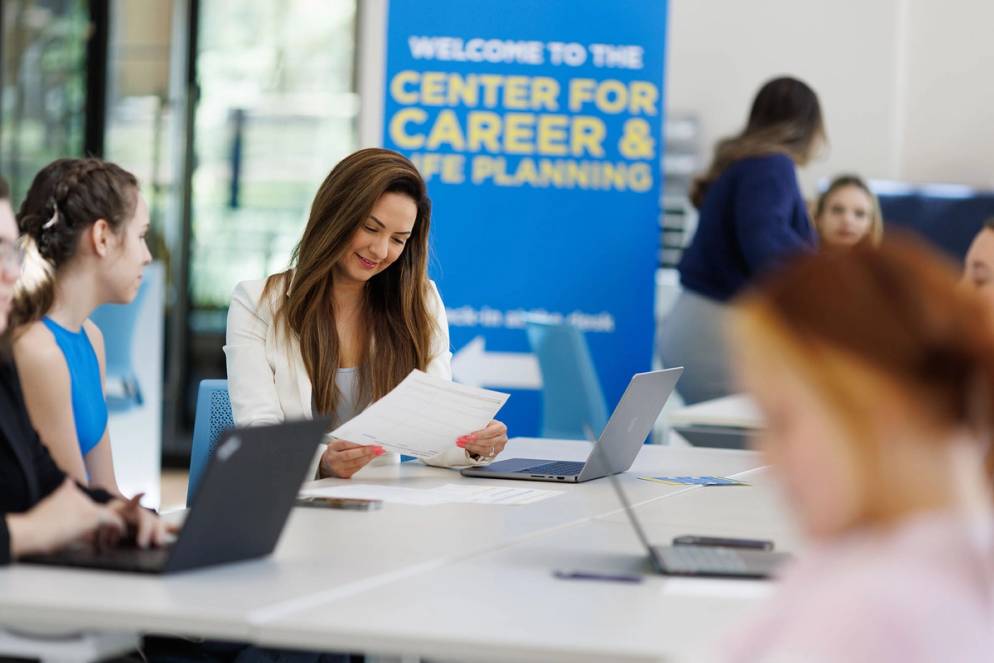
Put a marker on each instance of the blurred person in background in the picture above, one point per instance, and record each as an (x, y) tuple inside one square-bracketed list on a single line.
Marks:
[(978, 268), (875, 374), (847, 213), (752, 217)]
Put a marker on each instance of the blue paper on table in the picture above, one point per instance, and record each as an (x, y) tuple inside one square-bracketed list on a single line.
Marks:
[(697, 481)]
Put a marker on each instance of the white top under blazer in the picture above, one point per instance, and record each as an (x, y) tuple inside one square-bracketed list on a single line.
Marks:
[(267, 379)]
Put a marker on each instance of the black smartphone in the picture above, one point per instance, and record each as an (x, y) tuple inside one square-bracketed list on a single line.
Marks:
[(722, 542), (347, 503), (596, 575)]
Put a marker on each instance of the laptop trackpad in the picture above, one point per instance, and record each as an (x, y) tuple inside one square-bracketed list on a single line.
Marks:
[(514, 465)]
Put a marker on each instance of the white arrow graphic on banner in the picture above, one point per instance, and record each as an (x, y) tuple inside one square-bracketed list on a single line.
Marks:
[(473, 365)]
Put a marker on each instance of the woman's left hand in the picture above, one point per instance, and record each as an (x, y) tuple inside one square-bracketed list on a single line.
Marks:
[(487, 442), (148, 528)]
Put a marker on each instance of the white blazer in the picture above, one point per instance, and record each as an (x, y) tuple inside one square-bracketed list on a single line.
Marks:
[(267, 379)]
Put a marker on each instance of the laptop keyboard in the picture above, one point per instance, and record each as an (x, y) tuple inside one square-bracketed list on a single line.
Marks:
[(701, 560), (124, 558), (559, 468)]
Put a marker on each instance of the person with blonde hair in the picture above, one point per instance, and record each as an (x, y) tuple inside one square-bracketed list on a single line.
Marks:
[(752, 217), (847, 213), (875, 374), (354, 314)]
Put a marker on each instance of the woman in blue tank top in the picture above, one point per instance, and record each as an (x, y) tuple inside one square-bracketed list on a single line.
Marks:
[(84, 222)]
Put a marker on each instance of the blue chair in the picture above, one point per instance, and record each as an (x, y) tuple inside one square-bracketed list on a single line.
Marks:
[(212, 418), (572, 401), (117, 323)]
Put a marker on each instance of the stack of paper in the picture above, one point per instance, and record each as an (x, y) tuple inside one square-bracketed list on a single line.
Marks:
[(494, 494), (423, 416), (447, 494)]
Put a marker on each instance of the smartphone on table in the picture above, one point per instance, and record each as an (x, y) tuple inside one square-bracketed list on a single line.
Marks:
[(347, 503)]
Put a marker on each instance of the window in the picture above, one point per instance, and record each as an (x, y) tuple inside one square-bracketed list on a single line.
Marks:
[(42, 85), (276, 112)]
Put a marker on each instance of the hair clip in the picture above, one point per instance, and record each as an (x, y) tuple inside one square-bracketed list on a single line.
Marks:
[(55, 219)]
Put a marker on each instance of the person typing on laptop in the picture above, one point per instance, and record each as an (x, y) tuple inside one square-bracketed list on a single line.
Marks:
[(40, 508), (875, 375)]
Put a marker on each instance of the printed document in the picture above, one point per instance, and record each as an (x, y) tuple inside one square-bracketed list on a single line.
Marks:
[(423, 416), (448, 494)]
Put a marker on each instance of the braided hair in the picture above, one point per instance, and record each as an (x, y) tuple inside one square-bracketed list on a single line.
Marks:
[(65, 199)]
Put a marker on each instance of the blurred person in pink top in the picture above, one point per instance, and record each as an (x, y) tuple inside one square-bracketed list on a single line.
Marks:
[(875, 374)]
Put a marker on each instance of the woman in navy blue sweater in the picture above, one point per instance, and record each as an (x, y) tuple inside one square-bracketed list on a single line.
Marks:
[(752, 217)]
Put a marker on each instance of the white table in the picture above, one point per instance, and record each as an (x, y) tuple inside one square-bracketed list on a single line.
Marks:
[(735, 411), (506, 605), (726, 422), (447, 562)]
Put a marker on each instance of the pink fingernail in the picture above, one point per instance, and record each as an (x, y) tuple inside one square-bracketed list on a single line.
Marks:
[(378, 451), (461, 443)]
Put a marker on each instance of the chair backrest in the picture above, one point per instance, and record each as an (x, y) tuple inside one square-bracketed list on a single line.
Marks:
[(212, 418), (572, 401), (117, 323)]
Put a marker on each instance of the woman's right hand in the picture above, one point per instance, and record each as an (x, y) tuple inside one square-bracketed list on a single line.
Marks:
[(64, 516), (343, 459)]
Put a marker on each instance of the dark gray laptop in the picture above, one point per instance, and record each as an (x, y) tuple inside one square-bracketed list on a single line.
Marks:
[(238, 512), (620, 441)]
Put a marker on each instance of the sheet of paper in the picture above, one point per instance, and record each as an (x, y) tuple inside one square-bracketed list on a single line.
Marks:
[(423, 416), (696, 481), (447, 494), (495, 494)]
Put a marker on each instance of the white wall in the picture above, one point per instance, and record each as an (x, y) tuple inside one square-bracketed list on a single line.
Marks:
[(949, 128), (904, 83), (136, 434)]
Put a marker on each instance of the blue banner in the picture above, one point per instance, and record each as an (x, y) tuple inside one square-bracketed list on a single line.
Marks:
[(538, 126)]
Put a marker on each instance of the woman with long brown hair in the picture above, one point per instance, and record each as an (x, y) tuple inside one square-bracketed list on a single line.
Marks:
[(353, 315), (752, 216), (875, 375)]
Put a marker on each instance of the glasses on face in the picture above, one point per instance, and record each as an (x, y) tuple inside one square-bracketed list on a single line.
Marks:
[(11, 255)]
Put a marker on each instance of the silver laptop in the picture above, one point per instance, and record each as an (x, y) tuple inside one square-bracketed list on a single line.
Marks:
[(702, 561), (619, 443)]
